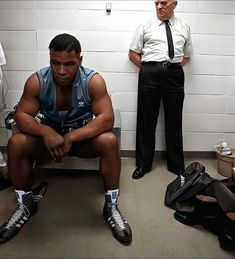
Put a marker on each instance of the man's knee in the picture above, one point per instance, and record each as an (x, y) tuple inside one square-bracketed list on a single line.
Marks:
[(108, 140), (18, 142)]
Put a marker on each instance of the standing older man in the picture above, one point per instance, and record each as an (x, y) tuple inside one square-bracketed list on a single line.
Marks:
[(160, 48)]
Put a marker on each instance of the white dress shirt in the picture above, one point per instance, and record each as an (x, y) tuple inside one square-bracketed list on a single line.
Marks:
[(150, 40)]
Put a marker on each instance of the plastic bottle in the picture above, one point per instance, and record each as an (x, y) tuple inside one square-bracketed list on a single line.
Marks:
[(225, 150)]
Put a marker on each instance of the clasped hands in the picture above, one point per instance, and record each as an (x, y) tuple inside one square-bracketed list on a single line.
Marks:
[(57, 145)]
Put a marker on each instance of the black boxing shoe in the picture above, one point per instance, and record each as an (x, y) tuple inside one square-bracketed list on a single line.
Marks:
[(138, 173), (120, 228), (23, 212)]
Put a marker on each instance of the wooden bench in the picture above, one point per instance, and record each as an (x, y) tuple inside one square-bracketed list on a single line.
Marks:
[(78, 163)]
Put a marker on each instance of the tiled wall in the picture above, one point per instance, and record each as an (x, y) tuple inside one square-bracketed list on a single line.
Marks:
[(26, 27)]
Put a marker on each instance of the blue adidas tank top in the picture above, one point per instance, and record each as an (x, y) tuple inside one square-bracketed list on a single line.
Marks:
[(81, 107)]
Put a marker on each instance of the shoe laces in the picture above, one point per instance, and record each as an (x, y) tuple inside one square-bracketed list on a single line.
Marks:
[(116, 217), (37, 197), (21, 210)]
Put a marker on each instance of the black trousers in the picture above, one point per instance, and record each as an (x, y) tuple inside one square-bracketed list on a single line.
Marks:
[(156, 84)]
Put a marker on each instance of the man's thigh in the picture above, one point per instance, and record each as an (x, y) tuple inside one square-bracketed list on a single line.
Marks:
[(86, 148)]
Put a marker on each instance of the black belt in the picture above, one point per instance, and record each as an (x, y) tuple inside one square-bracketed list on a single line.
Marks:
[(162, 63)]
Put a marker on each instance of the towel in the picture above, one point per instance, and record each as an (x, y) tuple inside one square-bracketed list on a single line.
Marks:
[(2, 56)]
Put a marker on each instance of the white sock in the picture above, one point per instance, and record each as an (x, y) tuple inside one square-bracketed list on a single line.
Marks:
[(114, 195), (19, 194)]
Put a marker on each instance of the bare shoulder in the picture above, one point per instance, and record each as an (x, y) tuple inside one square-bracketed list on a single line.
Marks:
[(32, 85), (97, 85)]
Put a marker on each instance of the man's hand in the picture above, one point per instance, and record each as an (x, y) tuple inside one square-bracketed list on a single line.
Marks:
[(54, 142), (67, 143)]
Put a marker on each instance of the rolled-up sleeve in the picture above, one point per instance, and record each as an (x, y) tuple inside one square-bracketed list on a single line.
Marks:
[(188, 44), (138, 40)]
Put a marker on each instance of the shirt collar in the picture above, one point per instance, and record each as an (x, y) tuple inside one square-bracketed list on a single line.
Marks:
[(171, 21)]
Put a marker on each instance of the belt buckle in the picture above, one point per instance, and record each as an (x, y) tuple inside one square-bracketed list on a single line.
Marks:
[(165, 64)]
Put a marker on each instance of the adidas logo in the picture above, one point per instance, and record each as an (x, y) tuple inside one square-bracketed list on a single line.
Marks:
[(81, 104)]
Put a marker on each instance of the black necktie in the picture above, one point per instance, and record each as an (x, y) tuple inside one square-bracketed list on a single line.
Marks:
[(169, 40)]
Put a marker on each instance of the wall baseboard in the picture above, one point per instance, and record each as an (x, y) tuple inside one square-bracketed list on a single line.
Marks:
[(187, 154)]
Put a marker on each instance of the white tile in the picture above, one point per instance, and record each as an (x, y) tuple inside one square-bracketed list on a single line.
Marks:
[(125, 101), (90, 40), (215, 24), (108, 62), (205, 104), (121, 82), (18, 40), (56, 20), (231, 105), (128, 140), (17, 79), (24, 20), (231, 90), (207, 84), (204, 122), (128, 121), (214, 44), (196, 141), (230, 123), (96, 20), (212, 65), (224, 7), (12, 98), (20, 60), (29, 4)]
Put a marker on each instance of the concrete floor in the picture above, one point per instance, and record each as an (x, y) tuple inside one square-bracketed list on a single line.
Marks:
[(69, 222)]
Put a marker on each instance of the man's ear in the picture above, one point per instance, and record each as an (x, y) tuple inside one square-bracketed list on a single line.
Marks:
[(175, 3), (81, 59)]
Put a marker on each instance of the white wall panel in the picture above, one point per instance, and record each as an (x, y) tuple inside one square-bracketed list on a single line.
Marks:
[(231, 90), (195, 141), (20, 60), (207, 84), (125, 101), (121, 82), (12, 98), (116, 21), (29, 4), (215, 24), (230, 124), (90, 40), (17, 20), (231, 105), (213, 65), (17, 79), (56, 20), (214, 44), (219, 7), (204, 122), (18, 40), (205, 104)]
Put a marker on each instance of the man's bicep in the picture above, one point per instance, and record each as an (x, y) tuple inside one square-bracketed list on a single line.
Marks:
[(101, 101), (29, 101)]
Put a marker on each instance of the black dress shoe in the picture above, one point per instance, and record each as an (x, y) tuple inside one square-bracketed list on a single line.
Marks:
[(205, 214), (138, 173), (187, 218)]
